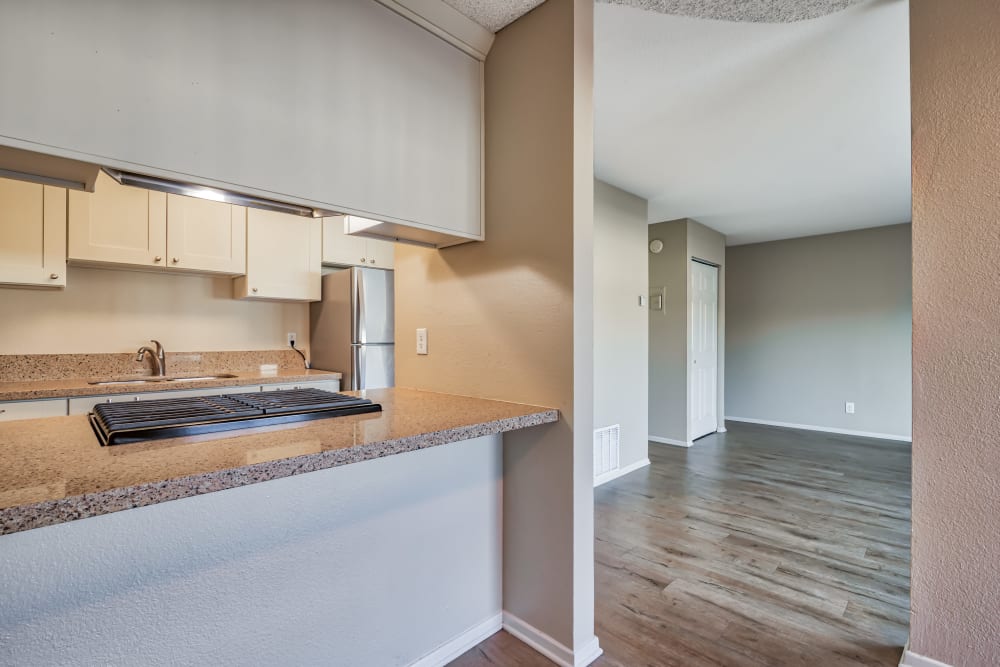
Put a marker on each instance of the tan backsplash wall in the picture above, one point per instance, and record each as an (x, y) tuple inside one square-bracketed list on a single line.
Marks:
[(117, 311), (955, 58)]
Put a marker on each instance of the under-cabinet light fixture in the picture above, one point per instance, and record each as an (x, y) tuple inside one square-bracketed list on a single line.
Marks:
[(213, 194)]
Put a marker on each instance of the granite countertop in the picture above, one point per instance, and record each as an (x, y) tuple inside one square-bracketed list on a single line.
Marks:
[(54, 470), (74, 387)]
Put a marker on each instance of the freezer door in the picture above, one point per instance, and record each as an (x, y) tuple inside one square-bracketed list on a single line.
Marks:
[(374, 305), (374, 366)]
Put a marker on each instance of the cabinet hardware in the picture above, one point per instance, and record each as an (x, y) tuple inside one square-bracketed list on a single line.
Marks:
[(371, 261), (363, 260), (253, 289), (157, 259), (2, 411), (175, 260), (54, 276)]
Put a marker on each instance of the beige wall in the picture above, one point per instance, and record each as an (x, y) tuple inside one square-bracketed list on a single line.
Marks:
[(117, 311), (668, 333), (621, 324), (818, 321), (510, 318), (955, 60)]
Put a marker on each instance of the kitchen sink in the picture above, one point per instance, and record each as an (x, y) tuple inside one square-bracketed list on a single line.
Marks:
[(154, 379)]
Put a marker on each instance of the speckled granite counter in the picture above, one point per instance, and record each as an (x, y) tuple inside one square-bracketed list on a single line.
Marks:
[(71, 387), (54, 470)]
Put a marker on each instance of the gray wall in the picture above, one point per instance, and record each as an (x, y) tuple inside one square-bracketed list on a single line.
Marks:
[(621, 335), (816, 322), (668, 333)]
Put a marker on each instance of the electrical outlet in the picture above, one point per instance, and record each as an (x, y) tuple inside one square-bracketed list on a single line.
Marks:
[(293, 338), (849, 407), (421, 341)]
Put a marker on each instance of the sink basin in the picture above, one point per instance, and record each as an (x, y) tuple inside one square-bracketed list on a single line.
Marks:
[(196, 378), (154, 379), (135, 381)]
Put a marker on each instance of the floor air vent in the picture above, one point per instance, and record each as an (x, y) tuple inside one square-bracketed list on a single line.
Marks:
[(607, 450)]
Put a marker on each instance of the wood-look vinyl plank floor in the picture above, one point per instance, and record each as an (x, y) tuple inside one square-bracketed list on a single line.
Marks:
[(760, 546)]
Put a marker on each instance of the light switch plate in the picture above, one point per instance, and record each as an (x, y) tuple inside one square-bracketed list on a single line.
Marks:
[(421, 341), (849, 408)]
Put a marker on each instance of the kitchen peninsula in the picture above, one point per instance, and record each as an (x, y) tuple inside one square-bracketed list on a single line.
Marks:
[(251, 561)]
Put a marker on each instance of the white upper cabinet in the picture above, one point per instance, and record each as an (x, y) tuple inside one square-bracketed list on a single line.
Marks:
[(343, 105), (340, 249), (206, 236), (32, 234), (117, 224), (284, 258), (139, 228)]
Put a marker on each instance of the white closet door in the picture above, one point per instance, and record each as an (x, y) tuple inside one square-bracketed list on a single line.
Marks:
[(703, 350)]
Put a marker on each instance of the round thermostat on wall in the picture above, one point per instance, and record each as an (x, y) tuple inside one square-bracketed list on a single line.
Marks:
[(655, 246)]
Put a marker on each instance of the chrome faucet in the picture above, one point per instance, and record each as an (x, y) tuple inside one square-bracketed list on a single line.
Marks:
[(158, 356)]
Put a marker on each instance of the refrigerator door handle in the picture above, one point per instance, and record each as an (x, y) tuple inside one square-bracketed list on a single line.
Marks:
[(357, 283), (358, 367)]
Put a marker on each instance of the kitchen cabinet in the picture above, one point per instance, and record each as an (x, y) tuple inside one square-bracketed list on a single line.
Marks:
[(32, 234), (341, 249), (206, 236), (351, 106), (284, 258), (14, 410), (117, 224), (140, 228), (326, 385)]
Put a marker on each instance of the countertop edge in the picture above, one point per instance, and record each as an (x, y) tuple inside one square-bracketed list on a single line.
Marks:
[(52, 512), (241, 380)]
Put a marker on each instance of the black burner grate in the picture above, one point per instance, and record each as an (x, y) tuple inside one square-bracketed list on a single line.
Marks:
[(117, 423)]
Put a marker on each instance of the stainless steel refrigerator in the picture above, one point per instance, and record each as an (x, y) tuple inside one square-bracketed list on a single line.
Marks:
[(351, 329)]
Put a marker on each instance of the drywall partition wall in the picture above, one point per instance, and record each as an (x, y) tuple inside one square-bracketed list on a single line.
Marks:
[(668, 277), (621, 323), (820, 321), (117, 311), (955, 591), (510, 318), (375, 563), (708, 245)]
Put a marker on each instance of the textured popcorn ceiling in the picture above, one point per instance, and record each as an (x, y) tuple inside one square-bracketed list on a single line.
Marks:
[(495, 14)]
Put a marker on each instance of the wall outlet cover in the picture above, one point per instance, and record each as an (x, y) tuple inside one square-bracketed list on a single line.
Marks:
[(849, 407), (292, 338), (421, 341)]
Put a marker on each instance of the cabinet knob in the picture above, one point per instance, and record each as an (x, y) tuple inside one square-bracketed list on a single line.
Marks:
[(371, 261), (157, 259), (54, 276), (253, 289), (364, 259), (175, 260)]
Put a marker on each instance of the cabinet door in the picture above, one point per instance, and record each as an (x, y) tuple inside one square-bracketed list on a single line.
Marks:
[(14, 410), (284, 258), (32, 234), (117, 224), (339, 249), (206, 236), (381, 254)]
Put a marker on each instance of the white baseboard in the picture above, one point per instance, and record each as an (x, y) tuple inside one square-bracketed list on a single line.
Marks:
[(911, 659), (455, 647), (669, 441), (615, 474), (823, 429), (549, 647)]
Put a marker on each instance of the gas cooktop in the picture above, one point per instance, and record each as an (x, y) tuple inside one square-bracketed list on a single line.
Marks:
[(119, 423)]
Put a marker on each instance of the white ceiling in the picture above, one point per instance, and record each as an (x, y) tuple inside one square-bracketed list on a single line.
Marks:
[(761, 131)]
